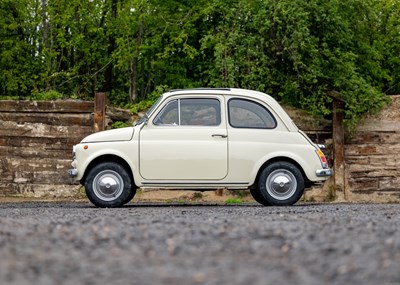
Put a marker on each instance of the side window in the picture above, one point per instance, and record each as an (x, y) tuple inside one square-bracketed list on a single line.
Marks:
[(200, 112), (168, 115), (190, 112), (248, 114)]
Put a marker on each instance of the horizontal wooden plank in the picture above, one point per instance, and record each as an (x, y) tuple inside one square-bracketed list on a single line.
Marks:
[(12, 129), (37, 177), (376, 173), (67, 106), (26, 152), (385, 195), (14, 164), (374, 161), (48, 119), (364, 184), (389, 183), (375, 137), (373, 125), (40, 190), (372, 149), (49, 144)]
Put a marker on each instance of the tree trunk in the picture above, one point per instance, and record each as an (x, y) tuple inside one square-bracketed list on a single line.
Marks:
[(133, 80), (45, 24), (133, 88), (108, 84)]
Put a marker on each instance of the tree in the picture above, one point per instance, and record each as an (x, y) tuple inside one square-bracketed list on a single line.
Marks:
[(297, 51)]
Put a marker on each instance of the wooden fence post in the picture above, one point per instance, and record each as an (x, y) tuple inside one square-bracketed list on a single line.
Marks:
[(338, 147), (99, 112)]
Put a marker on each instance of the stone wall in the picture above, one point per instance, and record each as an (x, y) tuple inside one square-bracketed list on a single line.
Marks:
[(372, 157)]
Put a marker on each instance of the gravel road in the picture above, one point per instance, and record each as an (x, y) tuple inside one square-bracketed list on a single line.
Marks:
[(75, 243)]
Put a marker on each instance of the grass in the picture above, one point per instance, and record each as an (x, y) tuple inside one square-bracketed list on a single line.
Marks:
[(231, 201)]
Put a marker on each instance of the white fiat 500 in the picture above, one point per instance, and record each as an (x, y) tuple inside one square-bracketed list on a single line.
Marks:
[(203, 139)]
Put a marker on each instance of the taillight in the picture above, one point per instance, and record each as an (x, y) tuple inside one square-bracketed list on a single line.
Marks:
[(322, 158)]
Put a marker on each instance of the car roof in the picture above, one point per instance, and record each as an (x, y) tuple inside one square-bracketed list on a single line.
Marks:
[(220, 91), (240, 93)]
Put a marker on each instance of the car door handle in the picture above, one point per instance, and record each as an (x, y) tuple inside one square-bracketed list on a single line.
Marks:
[(219, 135)]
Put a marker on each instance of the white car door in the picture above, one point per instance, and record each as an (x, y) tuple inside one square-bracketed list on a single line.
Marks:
[(186, 140)]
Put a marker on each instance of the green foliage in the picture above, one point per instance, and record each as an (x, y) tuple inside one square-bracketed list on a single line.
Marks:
[(46, 95), (297, 51), (120, 124), (147, 103)]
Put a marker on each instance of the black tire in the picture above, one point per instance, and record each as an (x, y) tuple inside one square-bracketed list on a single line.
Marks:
[(255, 193), (130, 197), (109, 184), (280, 184)]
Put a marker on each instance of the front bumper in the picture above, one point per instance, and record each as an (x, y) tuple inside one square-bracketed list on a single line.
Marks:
[(324, 172), (73, 172)]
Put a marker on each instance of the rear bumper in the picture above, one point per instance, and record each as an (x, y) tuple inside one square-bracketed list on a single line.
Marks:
[(324, 172), (73, 172)]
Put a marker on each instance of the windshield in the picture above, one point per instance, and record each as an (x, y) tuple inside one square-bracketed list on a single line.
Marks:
[(149, 112)]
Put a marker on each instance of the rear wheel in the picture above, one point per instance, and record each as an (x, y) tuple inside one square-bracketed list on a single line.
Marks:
[(109, 184), (280, 184)]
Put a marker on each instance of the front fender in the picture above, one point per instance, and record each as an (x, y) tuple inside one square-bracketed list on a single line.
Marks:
[(87, 153)]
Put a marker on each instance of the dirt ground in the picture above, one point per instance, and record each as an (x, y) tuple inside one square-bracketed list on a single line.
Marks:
[(155, 195)]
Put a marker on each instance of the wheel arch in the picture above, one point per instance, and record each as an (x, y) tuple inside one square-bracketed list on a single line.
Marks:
[(279, 159), (108, 158)]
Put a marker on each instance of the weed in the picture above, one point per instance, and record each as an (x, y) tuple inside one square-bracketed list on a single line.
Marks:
[(233, 201), (330, 195), (240, 193), (197, 196), (82, 192)]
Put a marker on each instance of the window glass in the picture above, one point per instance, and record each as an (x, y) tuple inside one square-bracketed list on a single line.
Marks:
[(168, 115), (249, 114), (200, 112), (190, 112)]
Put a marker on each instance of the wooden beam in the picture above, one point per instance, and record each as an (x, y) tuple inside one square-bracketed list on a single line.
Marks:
[(338, 148), (99, 112)]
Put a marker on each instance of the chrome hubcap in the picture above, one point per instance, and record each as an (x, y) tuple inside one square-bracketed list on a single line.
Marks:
[(281, 184), (108, 185)]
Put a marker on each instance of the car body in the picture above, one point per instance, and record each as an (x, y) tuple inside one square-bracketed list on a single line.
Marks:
[(202, 139)]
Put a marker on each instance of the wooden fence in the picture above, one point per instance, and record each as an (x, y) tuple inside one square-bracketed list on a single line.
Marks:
[(36, 140)]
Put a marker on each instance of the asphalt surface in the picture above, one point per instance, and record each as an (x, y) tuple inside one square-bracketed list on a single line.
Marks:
[(76, 243)]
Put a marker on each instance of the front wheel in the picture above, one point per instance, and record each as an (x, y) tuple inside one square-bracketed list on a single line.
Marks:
[(108, 184), (280, 184)]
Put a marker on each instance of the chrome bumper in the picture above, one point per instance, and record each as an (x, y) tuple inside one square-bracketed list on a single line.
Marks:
[(324, 172), (73, 172)]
